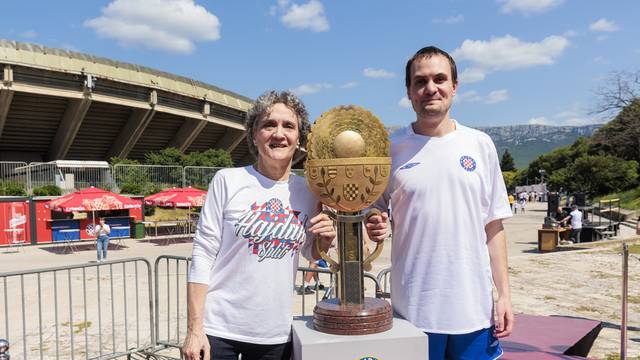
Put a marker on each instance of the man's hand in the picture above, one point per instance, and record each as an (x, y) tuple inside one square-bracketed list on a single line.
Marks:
[(377, 227), (504, 318), (196, 343)]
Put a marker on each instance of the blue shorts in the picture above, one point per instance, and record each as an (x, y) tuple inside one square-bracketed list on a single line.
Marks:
[(478, 345), (322, 263)]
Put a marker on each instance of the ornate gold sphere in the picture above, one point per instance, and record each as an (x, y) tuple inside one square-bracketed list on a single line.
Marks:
[(348, 144)]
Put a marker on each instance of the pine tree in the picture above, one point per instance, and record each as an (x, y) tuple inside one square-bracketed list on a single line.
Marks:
[(506, 164)]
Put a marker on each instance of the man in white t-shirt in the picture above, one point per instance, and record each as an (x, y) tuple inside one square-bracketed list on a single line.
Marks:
[(449, 199), (576, 223)]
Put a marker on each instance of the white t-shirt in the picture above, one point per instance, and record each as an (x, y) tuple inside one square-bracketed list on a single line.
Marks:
[(576, 219), (246, 250), (443, 192), (103, 230)]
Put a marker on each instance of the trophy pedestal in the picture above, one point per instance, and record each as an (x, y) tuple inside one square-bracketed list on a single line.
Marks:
[(374, 316), (403, 341)]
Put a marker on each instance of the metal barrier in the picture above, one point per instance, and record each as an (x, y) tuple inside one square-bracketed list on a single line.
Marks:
[(21, 178), (68, 175), (171, 270), (330, 291), (146, 179), (384, 279), (13, 182), (107, 310), (198, 176), (85, 311)]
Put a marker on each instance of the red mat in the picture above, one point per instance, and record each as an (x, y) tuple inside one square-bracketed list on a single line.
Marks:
[(549, 337)]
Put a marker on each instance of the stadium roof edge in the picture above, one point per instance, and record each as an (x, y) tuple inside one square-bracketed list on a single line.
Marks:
[(33, 55)]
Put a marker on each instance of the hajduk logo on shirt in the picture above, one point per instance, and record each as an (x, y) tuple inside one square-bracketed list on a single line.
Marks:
[(468, 163), (271, 229)]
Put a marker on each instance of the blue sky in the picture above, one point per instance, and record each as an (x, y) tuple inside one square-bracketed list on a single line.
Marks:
[(521, 61)]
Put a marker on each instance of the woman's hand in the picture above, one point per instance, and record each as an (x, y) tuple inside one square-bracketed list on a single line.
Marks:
[(322, 227), (195, 345)]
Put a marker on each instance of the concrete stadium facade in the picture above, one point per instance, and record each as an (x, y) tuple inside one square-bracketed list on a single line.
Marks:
[(64, 105)]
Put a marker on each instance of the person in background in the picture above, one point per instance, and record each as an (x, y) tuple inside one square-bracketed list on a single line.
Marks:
[(576, 223), (512, 200), (102, 232)]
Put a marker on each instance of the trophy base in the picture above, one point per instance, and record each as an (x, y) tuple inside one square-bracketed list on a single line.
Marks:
[(374, 316)]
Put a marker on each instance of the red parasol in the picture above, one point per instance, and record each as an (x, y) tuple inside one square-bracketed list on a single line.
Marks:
[(92, 199), (177, 197)]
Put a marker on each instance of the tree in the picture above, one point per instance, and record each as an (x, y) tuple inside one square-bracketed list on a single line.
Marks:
[(621, 89), (596, 175), (621, 136), (506, 163), (166, 156)]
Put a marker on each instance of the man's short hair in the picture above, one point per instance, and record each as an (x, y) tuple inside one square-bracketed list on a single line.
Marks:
[(428, 52), (574, 206)]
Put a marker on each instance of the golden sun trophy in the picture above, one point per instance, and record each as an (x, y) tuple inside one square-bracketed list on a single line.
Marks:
[(347, 168)]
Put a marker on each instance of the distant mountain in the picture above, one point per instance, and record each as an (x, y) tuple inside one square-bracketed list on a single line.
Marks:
[(527, 142)]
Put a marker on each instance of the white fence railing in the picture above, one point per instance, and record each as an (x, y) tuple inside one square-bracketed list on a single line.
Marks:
[(20, 178)]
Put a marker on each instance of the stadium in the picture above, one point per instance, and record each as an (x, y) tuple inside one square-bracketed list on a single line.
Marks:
[(64, 105)]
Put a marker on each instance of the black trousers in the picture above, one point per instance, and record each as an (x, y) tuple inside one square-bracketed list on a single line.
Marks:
[(575, 235), (225, 349)]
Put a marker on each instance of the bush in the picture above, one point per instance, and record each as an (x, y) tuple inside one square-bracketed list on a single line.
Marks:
[(47, 190), (12, 189), (131, 188), (149, 210), (150, 188)]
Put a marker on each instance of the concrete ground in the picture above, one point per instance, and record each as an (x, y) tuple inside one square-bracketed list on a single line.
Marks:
[(583, 283)]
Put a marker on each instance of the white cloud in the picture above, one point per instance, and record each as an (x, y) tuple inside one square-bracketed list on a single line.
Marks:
[(600, 60), (307, 89), (573, 118), (604, 25), (450, 20), (378, 73), (349, 85), (405, 103), (601, 38), (167, 25), (565, 118), (282, 4), (472, 96), (507, 53), (69, 47), (497, 96), (528, 6), (570, 33), (540, 120), (471, 75), (467, 96), (29, 34), (307, 16)]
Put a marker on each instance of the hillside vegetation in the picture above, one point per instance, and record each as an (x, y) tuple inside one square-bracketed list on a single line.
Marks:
[(602, 164)]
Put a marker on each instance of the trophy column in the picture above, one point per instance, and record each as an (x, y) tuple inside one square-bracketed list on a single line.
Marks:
[(350, 252)]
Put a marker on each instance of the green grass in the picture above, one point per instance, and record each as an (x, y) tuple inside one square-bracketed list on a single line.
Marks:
[(617, 357), (629, 199), (634, 249)]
